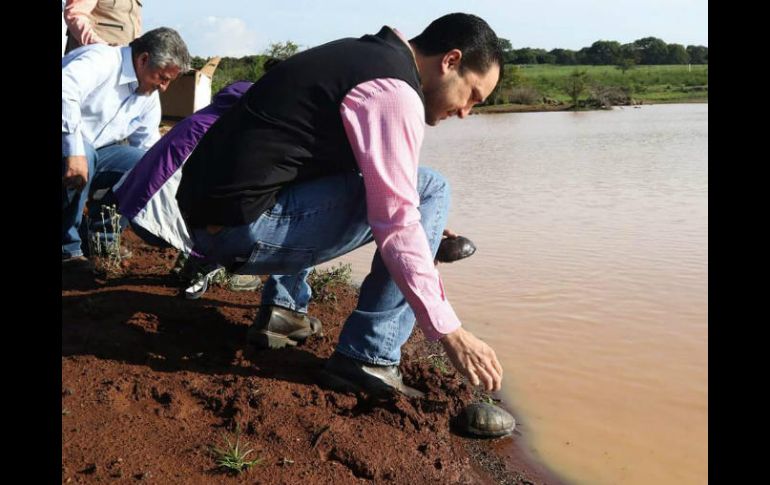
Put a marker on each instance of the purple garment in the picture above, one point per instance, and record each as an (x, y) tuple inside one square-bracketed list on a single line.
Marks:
[(166, 156)]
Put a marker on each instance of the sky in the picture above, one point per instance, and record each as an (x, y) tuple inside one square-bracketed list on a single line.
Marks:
[(238, 28)]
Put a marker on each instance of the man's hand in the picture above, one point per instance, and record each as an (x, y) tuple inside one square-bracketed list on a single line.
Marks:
[(450, 234), (474, 359), (76, 174)]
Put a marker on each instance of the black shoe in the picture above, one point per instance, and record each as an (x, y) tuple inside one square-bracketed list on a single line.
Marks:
[(76, 263), (276, 327), (452, 249), (485, 420), (350, 375)]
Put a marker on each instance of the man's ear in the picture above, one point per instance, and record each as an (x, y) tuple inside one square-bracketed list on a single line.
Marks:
[(143, 59), (451, 60)]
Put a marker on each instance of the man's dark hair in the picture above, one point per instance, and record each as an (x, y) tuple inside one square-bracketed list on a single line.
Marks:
[(467, 32)]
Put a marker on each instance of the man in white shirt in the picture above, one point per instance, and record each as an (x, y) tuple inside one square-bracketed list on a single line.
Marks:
[(110, 117)]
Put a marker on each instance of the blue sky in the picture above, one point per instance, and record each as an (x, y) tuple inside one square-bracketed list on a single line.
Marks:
[(244, 27)]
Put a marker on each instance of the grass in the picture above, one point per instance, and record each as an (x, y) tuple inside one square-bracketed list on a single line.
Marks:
[(106, 250), (232, 457), (322, 283), (439, 362), (668, 83)]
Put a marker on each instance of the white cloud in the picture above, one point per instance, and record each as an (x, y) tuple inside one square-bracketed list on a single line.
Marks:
[(223, 36)]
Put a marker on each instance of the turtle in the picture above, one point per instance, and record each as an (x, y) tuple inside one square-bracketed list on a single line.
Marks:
[(453, 248), (485, 420)]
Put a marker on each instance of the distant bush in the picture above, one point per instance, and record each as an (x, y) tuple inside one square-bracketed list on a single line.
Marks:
[(606, 96), (524, 95)]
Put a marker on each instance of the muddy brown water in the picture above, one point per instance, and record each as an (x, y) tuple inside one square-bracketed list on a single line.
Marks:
[(590, 280)]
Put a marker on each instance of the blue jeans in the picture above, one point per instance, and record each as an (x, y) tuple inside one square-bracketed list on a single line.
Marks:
[(316, 221), (105, 167)]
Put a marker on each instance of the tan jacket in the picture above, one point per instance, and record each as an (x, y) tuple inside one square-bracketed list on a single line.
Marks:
[(115, 22)]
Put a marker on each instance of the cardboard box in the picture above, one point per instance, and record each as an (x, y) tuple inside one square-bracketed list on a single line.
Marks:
[(189, 93)]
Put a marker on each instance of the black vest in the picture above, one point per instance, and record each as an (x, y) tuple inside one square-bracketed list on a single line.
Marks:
[(287, 128)]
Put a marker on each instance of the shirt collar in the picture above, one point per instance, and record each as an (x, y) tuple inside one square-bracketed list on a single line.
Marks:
[(405, 41), (127, 72)]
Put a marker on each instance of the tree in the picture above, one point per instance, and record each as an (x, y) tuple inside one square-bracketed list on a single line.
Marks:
[(507, 48), (629, 51), (652, 50), (197, 62), (581, 56), (677, 54), (282, 50), (576, 85), (544, 57), (625, 64), (698, 54), (604, 52), (505, 44), (528, 55), (525, 55), (563, 56)]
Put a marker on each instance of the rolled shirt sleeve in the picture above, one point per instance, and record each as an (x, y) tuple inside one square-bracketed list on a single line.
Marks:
[(78, 22)]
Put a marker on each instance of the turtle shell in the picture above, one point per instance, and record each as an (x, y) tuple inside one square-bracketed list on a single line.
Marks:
[(487, 420), (452, 249)]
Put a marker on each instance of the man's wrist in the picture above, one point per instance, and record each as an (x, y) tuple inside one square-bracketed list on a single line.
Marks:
[(451, 337)]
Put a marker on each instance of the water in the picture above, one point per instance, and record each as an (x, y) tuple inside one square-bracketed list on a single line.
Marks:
[(590, 280)]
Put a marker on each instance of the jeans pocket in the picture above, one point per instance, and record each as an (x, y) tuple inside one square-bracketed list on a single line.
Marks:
[(268, 258)]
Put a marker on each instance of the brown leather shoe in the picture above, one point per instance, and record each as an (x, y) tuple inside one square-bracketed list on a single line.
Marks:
[(76, 263), (276, 327), (342, 373), (452, 249)]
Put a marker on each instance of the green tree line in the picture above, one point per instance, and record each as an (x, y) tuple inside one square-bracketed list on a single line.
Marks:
[(647, 51)]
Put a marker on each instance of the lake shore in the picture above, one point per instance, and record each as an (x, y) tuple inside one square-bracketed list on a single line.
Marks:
[(152, 382)]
